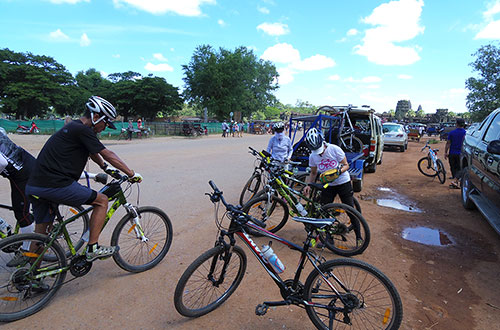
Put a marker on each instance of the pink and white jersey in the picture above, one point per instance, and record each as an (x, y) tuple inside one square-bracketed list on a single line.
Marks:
[(331, 158)]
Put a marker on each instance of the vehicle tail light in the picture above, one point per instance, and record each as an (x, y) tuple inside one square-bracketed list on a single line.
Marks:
[(399, 135), (365, 150), (372, 145)]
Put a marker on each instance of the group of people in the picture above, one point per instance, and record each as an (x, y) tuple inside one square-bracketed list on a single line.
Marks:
[(234, 128), (53, 176)]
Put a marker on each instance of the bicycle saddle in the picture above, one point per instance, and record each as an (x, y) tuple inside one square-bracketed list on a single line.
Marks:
[(318, 223)]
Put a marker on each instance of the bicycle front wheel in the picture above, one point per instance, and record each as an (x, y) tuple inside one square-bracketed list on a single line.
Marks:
[(441, 173), (251, 188), (426, 167), (349, 235), (273, 212), (352, 144), (143, 242), (24, 292), (209, 281), (365, 294)]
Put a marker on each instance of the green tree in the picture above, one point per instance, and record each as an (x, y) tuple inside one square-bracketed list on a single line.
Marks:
[(155, 96), (31, 85), (225, 81), (484, 95), (410, 114), (420, 112)]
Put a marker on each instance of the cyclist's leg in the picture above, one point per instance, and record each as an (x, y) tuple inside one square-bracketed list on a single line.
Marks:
[(328, 195), (346, 195)]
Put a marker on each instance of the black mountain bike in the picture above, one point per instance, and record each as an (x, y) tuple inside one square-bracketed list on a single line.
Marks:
[(336, 293)]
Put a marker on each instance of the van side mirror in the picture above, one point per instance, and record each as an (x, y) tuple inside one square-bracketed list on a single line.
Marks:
[(494, 147)]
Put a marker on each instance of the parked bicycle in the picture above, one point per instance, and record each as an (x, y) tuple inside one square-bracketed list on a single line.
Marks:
[(336, 292), (144, 236), (431, 165), (350, 235)]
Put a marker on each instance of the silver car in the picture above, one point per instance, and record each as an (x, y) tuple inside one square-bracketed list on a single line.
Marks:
[(395, 136)]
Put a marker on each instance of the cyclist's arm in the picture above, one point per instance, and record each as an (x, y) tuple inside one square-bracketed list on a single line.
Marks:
[(345, 165), (113, 159), (447, 148), (270, 145), (3, 162)]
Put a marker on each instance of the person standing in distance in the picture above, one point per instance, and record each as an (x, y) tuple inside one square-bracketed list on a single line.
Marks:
[(453, 149), (280, 145), (60, 163)]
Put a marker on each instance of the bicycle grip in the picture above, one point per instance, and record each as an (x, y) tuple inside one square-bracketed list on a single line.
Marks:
[(212, 184)]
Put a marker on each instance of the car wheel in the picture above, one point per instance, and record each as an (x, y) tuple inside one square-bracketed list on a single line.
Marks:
[(466, 188)]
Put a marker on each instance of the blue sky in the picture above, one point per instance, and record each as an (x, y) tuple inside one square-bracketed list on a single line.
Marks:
[(327, 52)]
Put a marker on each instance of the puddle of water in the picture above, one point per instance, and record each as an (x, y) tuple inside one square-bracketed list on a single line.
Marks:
[(396, 205), (384, 189), (427, 236)]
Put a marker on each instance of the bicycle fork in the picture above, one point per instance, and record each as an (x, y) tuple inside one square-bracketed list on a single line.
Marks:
[(135, 222)]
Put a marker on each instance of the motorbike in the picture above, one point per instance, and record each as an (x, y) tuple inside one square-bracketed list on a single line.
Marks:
[(27, 130)]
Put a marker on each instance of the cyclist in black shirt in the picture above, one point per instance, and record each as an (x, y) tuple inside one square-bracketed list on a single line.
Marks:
[(62, 160)]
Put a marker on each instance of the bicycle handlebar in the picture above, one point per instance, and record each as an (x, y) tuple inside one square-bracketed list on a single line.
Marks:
[(217, 195)]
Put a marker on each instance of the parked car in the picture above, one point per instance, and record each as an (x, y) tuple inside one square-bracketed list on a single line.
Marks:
[(395, 136), (480, 162)]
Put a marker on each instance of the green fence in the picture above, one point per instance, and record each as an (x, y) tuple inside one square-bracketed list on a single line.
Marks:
[(156, 128)]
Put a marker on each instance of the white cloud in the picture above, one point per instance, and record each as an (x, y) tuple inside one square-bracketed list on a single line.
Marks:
[(263, 10), (84, 40), (158, 7), (281, 53), (404, 76), (364, 80), (352, 32), (160, 57), (116, 56), (491, 29), (274, 29), (221, 23), (395, 21), (286, 75), (58, 35), (158, 67), (314, 63), (334, 77), (72, 2)]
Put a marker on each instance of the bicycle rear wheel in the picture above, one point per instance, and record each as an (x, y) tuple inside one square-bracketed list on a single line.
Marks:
[(251, 188), (441, 173), (77, 229), (352, 144), (349, 235), (274, 212), (426, 167), (368, 296), (209, 281), (144, 242), (21, 294)]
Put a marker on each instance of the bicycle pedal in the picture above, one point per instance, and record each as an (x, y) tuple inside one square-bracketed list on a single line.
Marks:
[(261, 309)]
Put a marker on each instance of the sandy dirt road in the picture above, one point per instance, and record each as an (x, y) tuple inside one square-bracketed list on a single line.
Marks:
[(452, 285)]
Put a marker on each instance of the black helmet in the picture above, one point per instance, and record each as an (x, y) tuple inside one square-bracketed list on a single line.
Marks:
[(314, 140)]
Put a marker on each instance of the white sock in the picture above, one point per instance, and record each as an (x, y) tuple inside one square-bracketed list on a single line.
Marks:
[(27, 230)]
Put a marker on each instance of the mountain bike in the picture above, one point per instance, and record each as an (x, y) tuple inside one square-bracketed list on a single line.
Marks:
[(78, 231), (350, 235), (340, 292), (349, 142), (144, 236), (431, 165)]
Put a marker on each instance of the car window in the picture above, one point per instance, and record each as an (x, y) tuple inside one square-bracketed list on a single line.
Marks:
[(493, 132), (392, 128), (480, 131)]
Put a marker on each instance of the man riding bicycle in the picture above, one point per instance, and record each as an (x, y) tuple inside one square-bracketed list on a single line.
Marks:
[(60, 163)]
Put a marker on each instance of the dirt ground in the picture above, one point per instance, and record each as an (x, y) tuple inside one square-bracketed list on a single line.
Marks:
[(449, 281)]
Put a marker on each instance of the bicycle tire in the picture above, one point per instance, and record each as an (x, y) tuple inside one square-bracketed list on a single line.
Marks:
[(441, 172), (357, 206), (368, 288), (352, 143), (155, 248), (75, 229), (274, 213), (250, 189), (426, 167), (341, 237), (199, 270), (16, 286)]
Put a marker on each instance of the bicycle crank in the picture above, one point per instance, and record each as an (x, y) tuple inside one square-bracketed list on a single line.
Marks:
[(79, 266)]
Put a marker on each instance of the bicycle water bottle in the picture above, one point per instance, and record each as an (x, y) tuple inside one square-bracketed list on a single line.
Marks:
[(301, 209), (86, 236), (272, 258), (5, 227)]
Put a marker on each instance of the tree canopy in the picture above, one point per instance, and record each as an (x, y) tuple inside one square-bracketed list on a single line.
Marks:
[(484, 95), (226, 81)]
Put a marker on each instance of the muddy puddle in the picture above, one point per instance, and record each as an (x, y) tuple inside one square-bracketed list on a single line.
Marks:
[(427, 236), (390, 198)]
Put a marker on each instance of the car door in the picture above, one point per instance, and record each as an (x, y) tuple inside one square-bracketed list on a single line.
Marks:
[(490, 163), (472, 147)]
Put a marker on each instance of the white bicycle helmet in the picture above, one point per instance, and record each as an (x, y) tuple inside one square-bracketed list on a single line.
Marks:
[(105, 109), (314, 140), (278, 127)]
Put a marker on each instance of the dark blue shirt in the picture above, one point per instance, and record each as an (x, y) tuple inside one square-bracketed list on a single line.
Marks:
[(456, 138)]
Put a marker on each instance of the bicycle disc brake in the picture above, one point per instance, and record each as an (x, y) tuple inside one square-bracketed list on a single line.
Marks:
[(79, 266)]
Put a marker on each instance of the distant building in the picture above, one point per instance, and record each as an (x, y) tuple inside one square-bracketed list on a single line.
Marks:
[(402, 108)]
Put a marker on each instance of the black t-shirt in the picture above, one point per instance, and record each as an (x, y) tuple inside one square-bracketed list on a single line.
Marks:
[(64, 155)]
